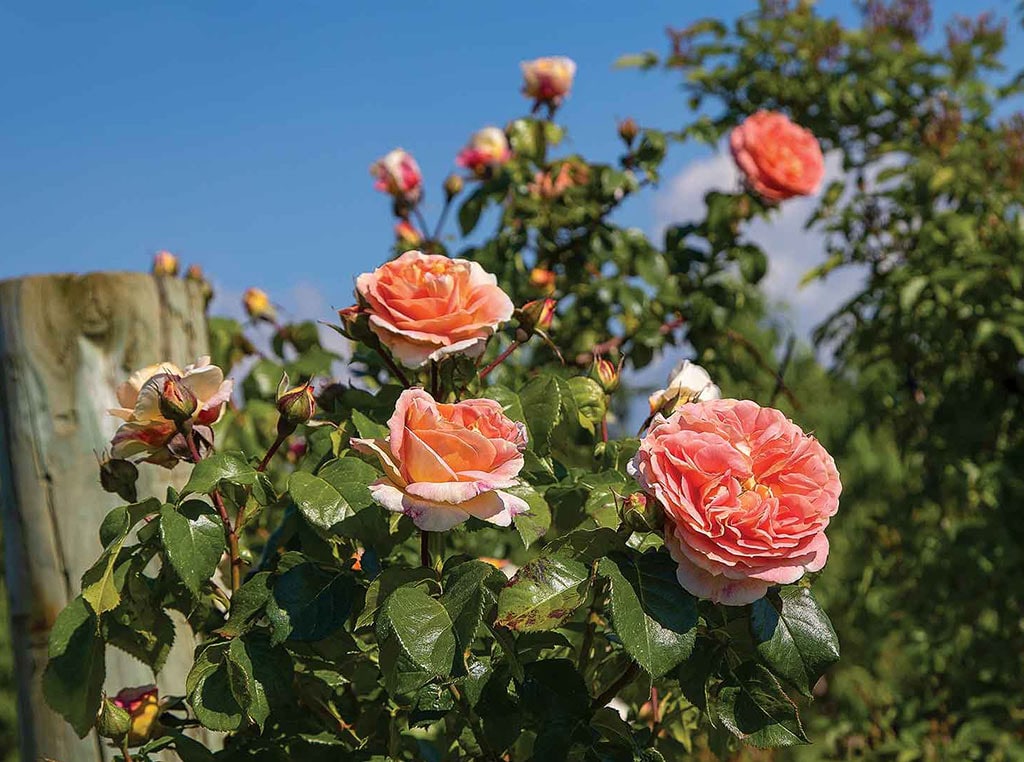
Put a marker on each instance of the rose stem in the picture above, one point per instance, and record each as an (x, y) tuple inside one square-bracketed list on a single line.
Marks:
[(124, 750), (440, 221), (474, 725), (425, 229), (433, 379), (424, 549), (270, 453), (500, 359), (612, 690), (604, 428), (395, 370), (218, 502)]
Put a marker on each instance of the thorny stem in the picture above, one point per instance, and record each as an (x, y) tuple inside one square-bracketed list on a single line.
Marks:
[(617, 685), (500, 359), (281, 436)]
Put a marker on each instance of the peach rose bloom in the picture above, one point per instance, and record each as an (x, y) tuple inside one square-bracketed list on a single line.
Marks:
[(779, 159), (398, 174), (145, 430), (549, 79), (444, 463), (426, 306), (487, 148), (143, 706), (747, 497), (165, 263)]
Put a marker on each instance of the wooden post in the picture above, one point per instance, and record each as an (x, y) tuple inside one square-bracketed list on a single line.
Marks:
[(66, 342)]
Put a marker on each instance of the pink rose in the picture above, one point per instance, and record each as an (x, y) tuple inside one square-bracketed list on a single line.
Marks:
[(445, 463), (426, 306), (747, 497), (399, 175), (486, 149), (549, 79), (146, 431), (779, 159)]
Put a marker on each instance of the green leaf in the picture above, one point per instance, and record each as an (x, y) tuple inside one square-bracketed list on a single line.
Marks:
[(416, 641), (258, 674), (149, 642), (655, 619), (230, 467), (119, 521), (535, 524), (589, 399), (193, 542), (542, 403), (543, 594), (794, 636), (351, 477), (208, 687), (754, 708), (102, 582), (367, 428), (469, 212), (246, 603), (385, 584), (73, 679), (318, 501), (316, 602), (470, 594), (509, 401), (554, 693)]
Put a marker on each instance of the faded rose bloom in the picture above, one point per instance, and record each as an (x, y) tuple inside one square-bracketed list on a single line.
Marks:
[(779, 159), (688, 382), (486, 149), (444, 463), (399, 175), (258, 306), (143, 706), (747, 497), (165, 263), (426, 306), (146, 431), (407, 234), (549, 79)]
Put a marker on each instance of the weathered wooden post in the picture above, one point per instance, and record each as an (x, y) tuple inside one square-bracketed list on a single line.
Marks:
[(66, 341)]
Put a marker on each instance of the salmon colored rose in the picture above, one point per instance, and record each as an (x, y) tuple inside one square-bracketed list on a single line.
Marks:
[(747, 497), (143, 706), (779, 159), (486, 149), (548, 79), (398, 175), (426, 306), (146, 431), (444, 463)]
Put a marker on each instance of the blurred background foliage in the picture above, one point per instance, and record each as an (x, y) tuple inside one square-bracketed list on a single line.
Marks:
[(915, 384)]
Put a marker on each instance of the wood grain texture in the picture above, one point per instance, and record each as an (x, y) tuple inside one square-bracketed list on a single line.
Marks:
[(66, 342)]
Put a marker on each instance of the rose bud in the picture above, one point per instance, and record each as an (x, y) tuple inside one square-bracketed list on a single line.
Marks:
[(257, 305), (688, 383), (143, 706), (452, 186), (399, 176), (779, 159), (112, 721), (548, 80), (296, 405), (487, 149), (628, 130), (165, 263), (606, 374), (119, 476), (536, 315), (178, 402), (408, 236), (642, 514), (543, 279)]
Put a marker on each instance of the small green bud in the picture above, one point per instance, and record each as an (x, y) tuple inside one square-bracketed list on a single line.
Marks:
[(178, 403), (112, 721)]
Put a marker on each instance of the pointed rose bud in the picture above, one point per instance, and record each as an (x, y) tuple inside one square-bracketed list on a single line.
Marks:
[(536, 315), (257, 305), (688, 383), (628, 130), (295, 405), (178, 402), (488, 148), (112, 721), (143, 706), (642, 514), (165, 263), (606, 374), (548, 80), (119, 476), (408, 236), (452, 186), (543, 279)]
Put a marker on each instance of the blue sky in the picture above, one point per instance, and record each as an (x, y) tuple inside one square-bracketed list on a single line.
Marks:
[(238, 135)]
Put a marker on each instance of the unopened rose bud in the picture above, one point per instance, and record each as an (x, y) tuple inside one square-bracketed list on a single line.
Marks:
[(628, 130), (606, 374), (296, 405), (119, 477), (642, 513), (407, 235), (257, 305), (543, 279), (143, 707), (165, 263), (178, 402), (112, 721), (536, 315), (453, 186)]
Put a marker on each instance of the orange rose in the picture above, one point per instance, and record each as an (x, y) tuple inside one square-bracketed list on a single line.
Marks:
[(778, 158), (747, 497), (548, 80), (445, 463), (426, 306)]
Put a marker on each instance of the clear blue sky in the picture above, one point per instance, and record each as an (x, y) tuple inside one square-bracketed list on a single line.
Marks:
[(238, 135)]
